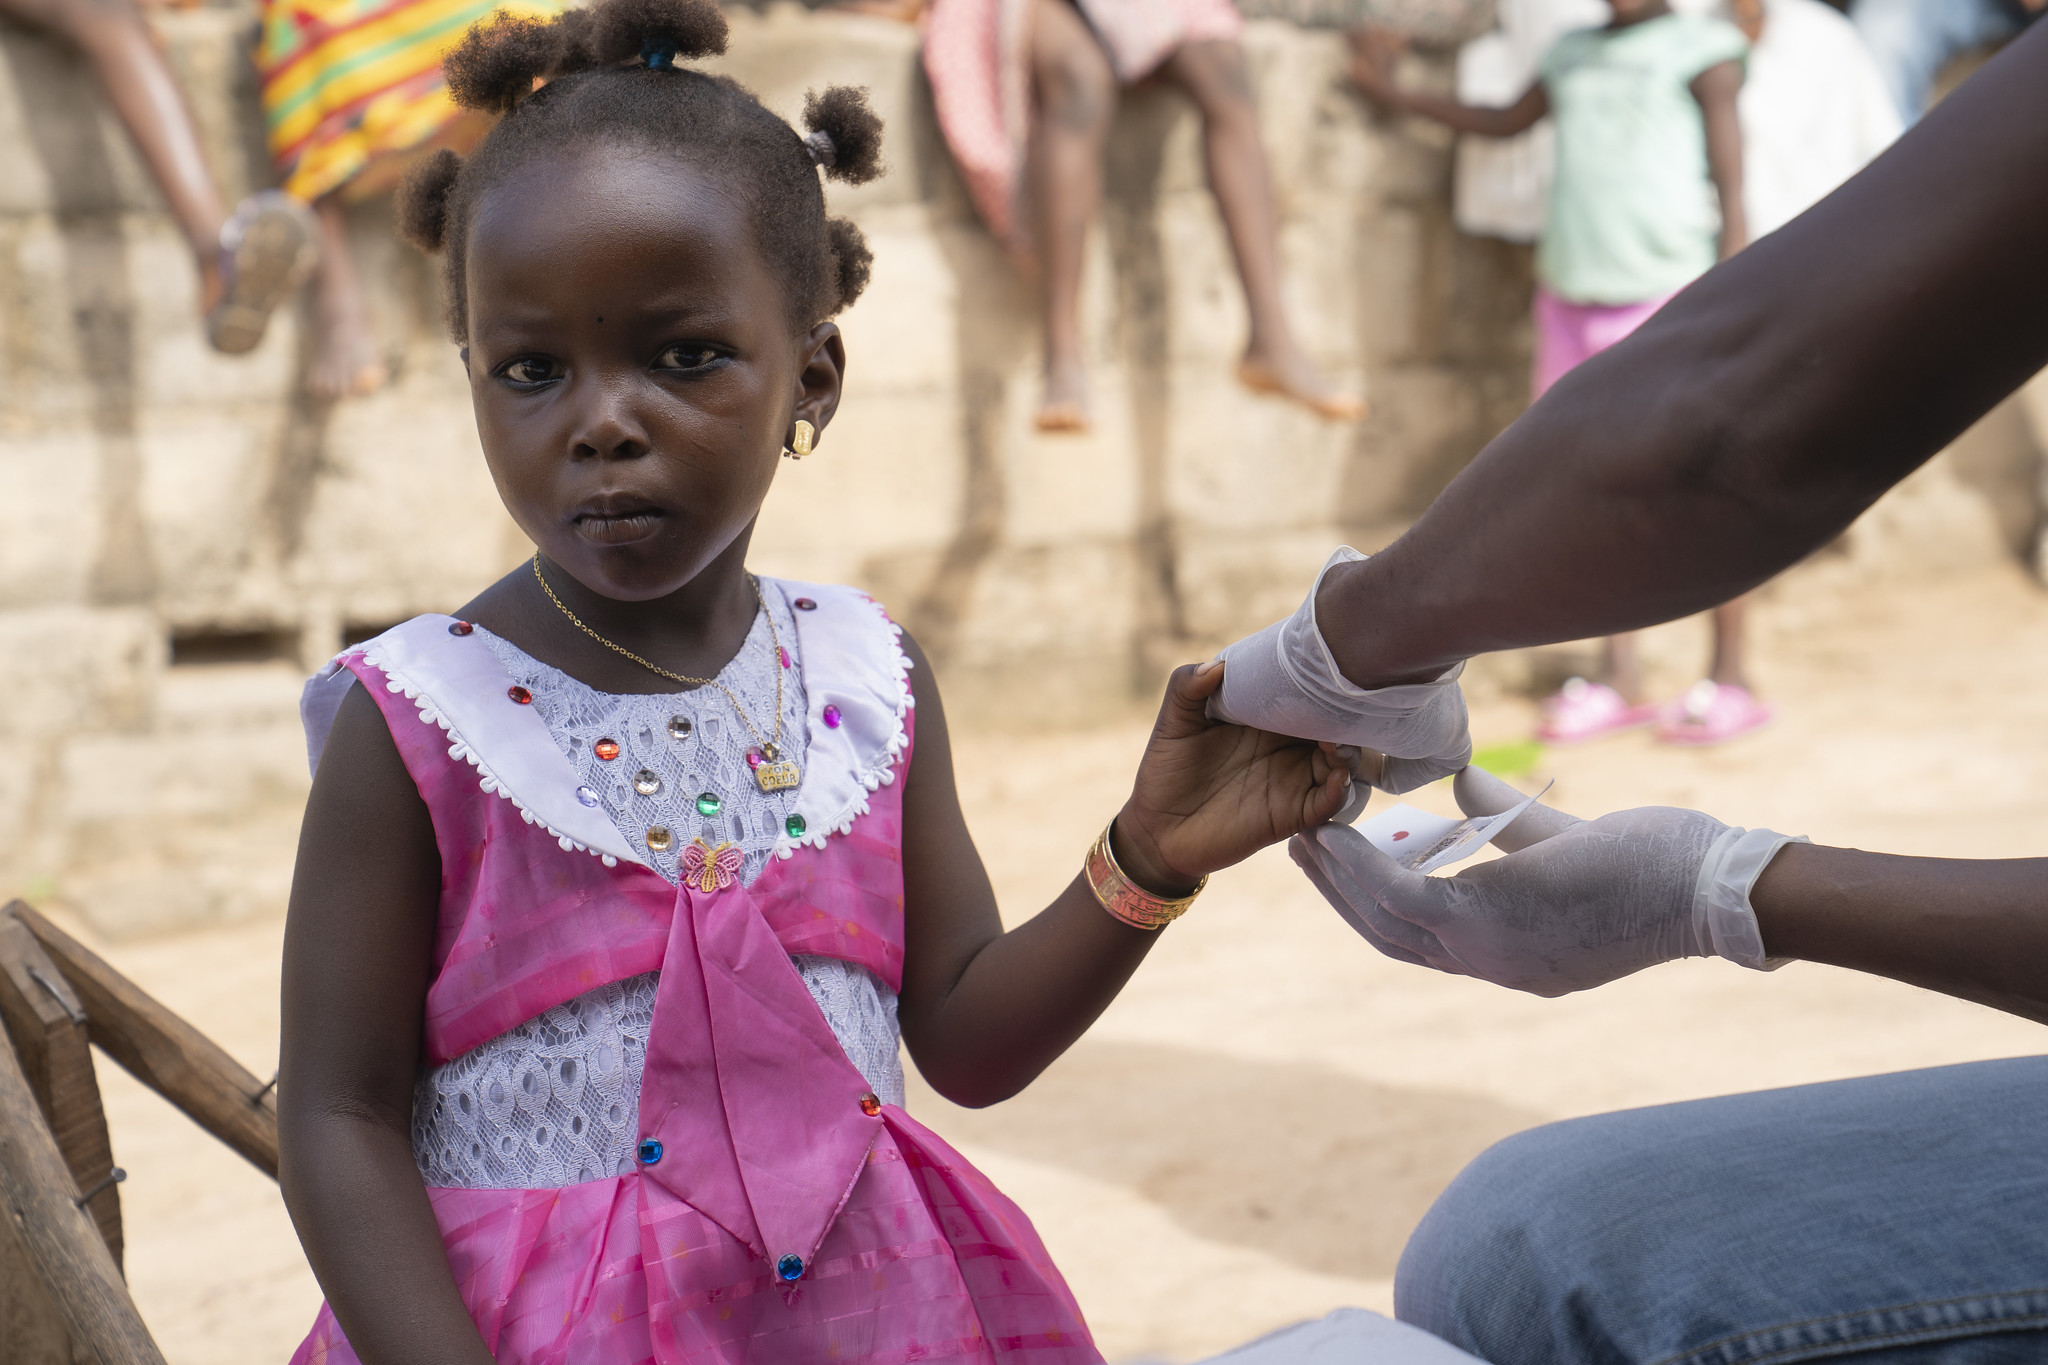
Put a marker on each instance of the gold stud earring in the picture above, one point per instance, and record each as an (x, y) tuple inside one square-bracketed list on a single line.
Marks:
[(805, 436)]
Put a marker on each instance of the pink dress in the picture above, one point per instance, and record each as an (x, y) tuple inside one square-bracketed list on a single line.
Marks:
[(772, 1217)]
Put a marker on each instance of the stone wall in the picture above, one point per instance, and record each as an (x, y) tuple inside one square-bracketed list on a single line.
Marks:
[(182, 534)]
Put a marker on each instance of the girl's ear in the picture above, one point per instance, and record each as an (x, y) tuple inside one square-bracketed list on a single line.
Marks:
[(822, 376)]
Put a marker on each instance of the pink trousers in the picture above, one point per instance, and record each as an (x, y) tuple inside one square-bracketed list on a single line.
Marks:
[(1569, 333)]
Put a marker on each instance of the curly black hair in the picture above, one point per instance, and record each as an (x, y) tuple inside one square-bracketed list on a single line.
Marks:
[(609, 73)]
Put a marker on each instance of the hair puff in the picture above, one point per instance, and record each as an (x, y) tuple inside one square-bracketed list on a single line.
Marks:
[(495, 65), (423, 200), (620, 29), (843, 114), (852, 262)]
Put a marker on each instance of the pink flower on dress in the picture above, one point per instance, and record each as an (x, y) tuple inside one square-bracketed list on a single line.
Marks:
[(710, 868)]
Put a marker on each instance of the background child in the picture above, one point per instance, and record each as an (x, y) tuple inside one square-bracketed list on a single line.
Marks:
[(613, 891), (1648, 147), (1025, 92)]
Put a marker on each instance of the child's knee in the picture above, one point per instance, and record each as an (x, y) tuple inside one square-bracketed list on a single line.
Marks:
[(1076, 88)]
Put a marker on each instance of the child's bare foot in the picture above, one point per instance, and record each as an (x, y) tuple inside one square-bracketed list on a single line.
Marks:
[(266, 252), (1065, 406), (1295, 378), (345, 360)]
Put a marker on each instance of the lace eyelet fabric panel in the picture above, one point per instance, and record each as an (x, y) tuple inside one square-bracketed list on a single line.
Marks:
[(556, 1101)]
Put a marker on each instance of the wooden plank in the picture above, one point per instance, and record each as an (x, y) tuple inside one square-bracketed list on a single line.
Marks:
[(60, 1241), (47, 1023), (163, 1051), (32, 1331)]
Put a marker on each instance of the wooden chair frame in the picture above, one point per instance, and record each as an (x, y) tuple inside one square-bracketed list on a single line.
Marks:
[(62, 1297)]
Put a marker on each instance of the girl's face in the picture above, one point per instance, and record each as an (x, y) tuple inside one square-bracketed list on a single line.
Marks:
[(632, 366)]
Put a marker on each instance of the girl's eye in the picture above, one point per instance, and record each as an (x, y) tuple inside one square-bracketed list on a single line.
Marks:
[(531, 370), (688, 356)]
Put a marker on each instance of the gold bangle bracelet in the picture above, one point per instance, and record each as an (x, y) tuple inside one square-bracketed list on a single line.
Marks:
[(1125, 899)]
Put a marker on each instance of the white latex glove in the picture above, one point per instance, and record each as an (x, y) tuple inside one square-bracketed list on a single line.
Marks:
[(1574, 904), (1283, 679)]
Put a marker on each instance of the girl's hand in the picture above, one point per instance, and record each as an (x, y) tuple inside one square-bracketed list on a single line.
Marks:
[(1210, 794)]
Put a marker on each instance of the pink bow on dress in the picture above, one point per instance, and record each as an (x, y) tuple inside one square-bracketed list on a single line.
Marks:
[(710, 868)]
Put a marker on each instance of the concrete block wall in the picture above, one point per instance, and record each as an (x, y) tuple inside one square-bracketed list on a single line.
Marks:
[(181, 533)]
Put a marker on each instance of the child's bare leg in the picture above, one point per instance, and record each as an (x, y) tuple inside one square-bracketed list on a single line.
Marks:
[(1075, 94), (345, 359), (1622, 668), (138, 83), (1731, 644), (1215, 77)]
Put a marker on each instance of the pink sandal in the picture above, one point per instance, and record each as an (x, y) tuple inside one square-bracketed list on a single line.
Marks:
[(1587, 710), (1713, 713)]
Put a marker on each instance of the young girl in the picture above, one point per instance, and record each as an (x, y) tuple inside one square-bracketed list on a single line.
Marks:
[(1648, 144), (614, 888)]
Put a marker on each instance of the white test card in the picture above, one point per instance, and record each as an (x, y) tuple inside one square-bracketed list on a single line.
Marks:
[(1422, 842)]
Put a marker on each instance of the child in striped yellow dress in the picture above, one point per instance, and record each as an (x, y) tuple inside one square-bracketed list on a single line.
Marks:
[(352, 95)]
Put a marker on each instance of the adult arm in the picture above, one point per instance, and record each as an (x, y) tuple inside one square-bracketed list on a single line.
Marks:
[(1716, 89), (358, 944), (1752, 419), (1977, 929)]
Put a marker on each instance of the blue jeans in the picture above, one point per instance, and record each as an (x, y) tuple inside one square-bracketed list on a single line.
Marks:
[(1899, 1219), (1913, 39)]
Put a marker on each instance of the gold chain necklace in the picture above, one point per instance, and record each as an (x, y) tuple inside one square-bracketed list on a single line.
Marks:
[(776, 773)]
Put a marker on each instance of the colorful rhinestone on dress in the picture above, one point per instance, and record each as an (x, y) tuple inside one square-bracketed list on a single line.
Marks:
[(460, 627), (831, 717), (519, 694), (806, 604), (783, 655), (678, 727), (795, 826), (649, 1151), (870, 1104), (586, 796), (708, 803), (790, 1267), (754, 758), (658, 838), (647, 782), (606, 749)]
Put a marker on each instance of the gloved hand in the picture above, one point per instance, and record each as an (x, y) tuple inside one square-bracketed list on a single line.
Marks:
[(1574, 904), (1283, 679)]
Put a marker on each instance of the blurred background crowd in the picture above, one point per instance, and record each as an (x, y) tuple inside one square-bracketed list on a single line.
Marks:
[(1170, 296)]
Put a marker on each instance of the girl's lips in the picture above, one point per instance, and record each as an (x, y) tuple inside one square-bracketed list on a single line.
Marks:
[(618, 528)]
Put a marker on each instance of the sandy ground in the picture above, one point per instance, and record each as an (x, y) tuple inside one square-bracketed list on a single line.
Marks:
[(1249, 1134)]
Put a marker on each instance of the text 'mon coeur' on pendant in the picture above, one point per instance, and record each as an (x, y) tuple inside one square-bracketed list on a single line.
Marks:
[(678, 727), (658, 838), (606, 749), (789, 1267), (777, 776), (460, 627), (647, 782)]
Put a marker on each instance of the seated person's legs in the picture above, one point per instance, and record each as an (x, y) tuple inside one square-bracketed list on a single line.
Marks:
[(1889, 1219)]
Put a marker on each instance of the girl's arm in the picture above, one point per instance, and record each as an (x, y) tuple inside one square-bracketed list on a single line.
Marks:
[(1716, 89), (984, 1011), (357, 950), (1372, 70)]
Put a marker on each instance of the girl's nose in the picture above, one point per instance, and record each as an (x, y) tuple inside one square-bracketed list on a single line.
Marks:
[(607, 427)]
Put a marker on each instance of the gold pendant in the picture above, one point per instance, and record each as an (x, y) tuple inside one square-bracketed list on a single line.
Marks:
[(778, 775)]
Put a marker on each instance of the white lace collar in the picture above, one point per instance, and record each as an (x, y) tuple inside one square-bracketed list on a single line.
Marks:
[(856, 677)]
